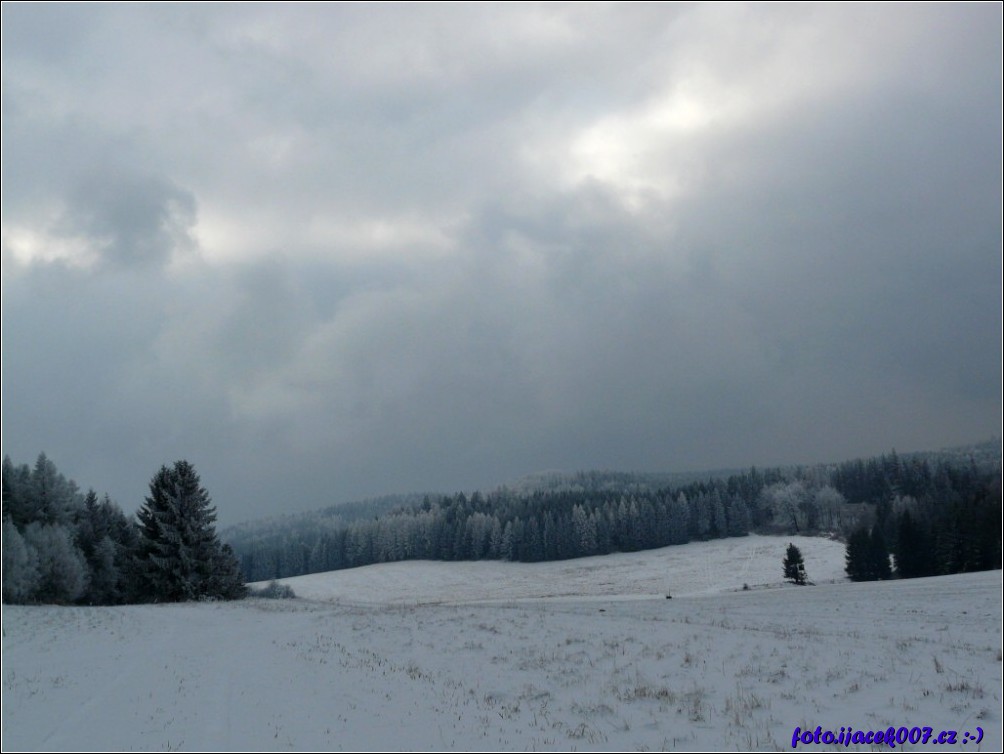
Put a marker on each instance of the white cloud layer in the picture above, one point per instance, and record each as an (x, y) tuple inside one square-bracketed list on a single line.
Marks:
[(326, 251)]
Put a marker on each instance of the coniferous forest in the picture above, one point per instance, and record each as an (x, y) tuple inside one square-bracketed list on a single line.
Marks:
[(903, 516), (922, 514), (61, 546)]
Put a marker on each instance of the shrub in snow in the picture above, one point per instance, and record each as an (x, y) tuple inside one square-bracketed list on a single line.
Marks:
[(274, 591)]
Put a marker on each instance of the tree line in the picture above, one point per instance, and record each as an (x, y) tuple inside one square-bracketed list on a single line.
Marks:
[(949, 503), (919, 515), (950, 524), (62, 546)]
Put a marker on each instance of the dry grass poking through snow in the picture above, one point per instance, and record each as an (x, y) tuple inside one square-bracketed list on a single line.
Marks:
[(737, 670)]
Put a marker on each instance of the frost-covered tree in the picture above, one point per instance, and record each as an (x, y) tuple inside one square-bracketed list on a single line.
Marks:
[(738, 518), (678, 512), (107, 540), (20, 565), (62, 570), (787, 503), (226, 581), (55, 498), (829, 503), (585, 531), (17, 493), (180, 557)]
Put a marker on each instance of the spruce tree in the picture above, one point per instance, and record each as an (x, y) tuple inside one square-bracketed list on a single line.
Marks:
[(794, 565), (908, 553), (180, 556), (858, 558), (879, 554)]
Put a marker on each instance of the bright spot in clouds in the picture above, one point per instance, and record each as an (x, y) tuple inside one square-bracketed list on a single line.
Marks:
[(331, 251)]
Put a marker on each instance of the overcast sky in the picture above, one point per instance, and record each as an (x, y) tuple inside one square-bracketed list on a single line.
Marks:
[(327, 252)]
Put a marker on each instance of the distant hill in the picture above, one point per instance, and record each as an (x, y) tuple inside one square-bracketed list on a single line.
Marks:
[(611, 481), (986, 455), (331, 517), (947, 500)]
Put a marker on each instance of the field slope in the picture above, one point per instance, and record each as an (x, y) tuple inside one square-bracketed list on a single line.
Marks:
[(575, 655)]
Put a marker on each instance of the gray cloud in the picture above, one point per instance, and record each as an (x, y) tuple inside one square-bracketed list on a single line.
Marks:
[(337, 251), (128, 219)]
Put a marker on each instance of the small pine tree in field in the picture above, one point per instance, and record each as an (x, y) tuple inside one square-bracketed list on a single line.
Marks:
[(794, 566)]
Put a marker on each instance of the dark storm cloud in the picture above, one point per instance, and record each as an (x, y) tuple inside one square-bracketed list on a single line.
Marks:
[(333, 251)]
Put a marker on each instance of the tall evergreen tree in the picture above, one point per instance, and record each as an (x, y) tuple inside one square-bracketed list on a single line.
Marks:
[(914, 551), (55, 499), (858, 558), (180, 556), (879, 554), (18, 493)]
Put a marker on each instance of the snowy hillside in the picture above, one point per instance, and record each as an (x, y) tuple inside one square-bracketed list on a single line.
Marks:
[(413, 656), (695, 568)]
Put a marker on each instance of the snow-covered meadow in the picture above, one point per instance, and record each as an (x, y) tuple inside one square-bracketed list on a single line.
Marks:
[(585, 654)]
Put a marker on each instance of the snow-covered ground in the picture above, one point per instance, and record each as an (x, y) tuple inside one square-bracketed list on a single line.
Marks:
[(691, 569), (519, 657)]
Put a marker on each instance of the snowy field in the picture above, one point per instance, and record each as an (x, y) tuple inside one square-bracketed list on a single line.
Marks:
[(581, 655), (691, 569)]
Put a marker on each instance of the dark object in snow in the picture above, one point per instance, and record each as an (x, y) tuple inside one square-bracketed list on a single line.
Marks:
[(669, 596)]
